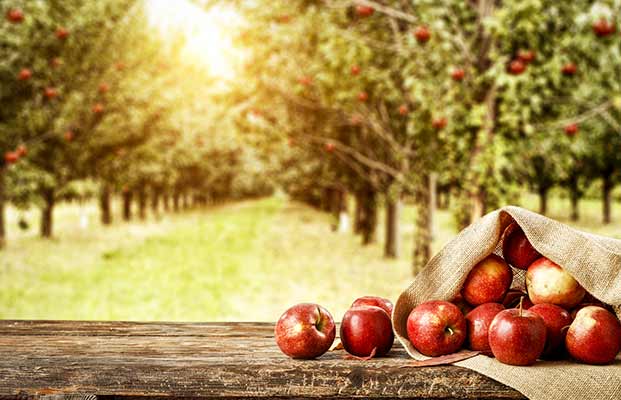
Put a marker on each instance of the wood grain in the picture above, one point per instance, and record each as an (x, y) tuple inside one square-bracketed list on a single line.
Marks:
[(120, 360)]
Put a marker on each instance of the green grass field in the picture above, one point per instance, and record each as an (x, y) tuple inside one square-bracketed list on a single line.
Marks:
[(243, 261)]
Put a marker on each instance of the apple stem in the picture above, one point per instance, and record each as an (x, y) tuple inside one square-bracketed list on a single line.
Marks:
[(520, 308), (450, 330), (318, 323)]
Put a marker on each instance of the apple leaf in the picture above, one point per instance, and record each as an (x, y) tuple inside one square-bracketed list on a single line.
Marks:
[(339, 346), (443, 360), (367, 358)]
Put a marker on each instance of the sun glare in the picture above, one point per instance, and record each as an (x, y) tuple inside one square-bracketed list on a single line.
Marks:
[(208, 33)]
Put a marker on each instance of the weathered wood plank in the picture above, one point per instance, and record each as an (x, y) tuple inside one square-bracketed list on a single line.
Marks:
[(127, 360)]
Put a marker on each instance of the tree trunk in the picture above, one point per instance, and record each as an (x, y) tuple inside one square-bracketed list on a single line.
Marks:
[(142, 203), (543, 200), (127, 205), (104, 204), (155, 202), (606, 190), (176, 201), (369, 222), (358, 213), (47, 213), (574, 198), (166, 202), (391, 245), (423, 228), (2, 209)]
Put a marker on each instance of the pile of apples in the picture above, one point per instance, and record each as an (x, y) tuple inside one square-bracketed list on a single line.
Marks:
[(554, 319)]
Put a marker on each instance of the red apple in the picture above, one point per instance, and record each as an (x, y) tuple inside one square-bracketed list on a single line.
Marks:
[(478, 322), (569, 69), (364, 11), (602, 27), (62, 33), (436, 328), (547, 282), (284, 19), (363, 96), (21, 150), (380, 302), (69, 135), (517, 67), (557, 321), (458, 74), (98, 108), (527, 56), (15, 16), (422, 34), (355, 70), (439, 123), (24, 74), (513, 298), (329, 147), (488, 281), (11, 157), (462, 304), (103, 88), (56, 62), (516, 249), (365, 328), (50, 92), (571, 129), (305, 80), (517, 336), (403, 109), (305, 331), (120, 66), (595, 336)]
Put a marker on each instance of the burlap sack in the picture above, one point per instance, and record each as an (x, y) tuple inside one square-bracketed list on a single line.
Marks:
[(593, 260)]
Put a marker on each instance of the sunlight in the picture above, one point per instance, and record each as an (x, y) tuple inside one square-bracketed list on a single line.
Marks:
[(207, 32)]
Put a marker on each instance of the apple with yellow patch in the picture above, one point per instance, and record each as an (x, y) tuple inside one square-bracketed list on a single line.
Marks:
[(488, 281), (547, 282), (436, 328), (305, 331), (595, 336)]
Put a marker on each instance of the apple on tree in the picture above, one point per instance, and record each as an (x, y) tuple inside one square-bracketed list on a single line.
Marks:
[(69, 135), (21, 150), (329, 147), (98, 108), (15, 16), (439, 123), (517, 67), (436, 328), (594, 337), (56, 62), (366, 330), (571, 129), (363, 97), (25, 74), (422, 34), (305, 80), (403, 109), (458, 74), (547, 282), (569, 69), (364, 11), (305, 331), (602, 27), (50, 92), (62, 33), (355, 70), (488, 281), (104, 88), (526, 56), (11, 157)]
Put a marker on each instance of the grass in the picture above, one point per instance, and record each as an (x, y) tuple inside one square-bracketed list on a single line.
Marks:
[(242, 261)]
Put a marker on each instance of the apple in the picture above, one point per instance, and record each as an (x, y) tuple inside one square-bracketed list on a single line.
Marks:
[(594, 337), (478, 321), (380, 302), (284, 19), (571, 129), (305, 80), (363, 96), (458, 74), (104, 87), (62, 33), (56, 62), (403, 109), (50, 92), (517, 336), (364, 11), (365, 328), (569, 69), (527, 56), (21, 150), (584, 304), (422, 34), (436, 328), (557, 321), (120, 66), (24, 74), (602, 27), (355, 70), (15, 16), (517, 67), (305, 331), (516, 249), (69, 135), (547, 282), (513, 298), (98, 108), (329, 147), (11, 157), (439, 123), (462, 304), (488, 281), (356, 119)]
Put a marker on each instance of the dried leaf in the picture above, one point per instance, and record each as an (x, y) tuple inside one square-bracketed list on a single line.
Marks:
[(443, 360), (339, 346), (367, 358)]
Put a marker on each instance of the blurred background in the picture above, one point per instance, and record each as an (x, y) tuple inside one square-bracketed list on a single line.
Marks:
[(222, 160)]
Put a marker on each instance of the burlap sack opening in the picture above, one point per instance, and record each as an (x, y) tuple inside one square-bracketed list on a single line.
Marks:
[(594, 261)]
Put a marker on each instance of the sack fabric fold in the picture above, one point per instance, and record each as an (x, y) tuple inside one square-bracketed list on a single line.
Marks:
[(594, 261)]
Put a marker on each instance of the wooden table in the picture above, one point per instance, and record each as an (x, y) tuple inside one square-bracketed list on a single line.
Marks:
[(107, 360)]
